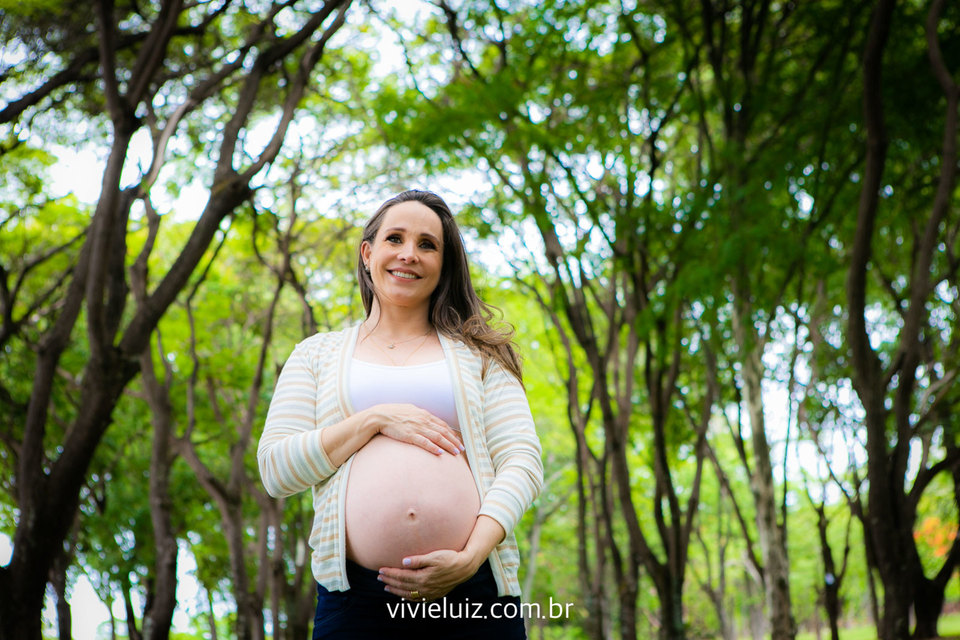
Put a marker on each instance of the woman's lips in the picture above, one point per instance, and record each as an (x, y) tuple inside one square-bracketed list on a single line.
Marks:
[(404, 275)]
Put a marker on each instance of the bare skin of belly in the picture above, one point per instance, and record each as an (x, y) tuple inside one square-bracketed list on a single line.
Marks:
[(402, 500)]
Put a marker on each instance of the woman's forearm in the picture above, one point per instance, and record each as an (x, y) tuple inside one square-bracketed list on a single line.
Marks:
[(293, 459), (342, 440), (486, 535)]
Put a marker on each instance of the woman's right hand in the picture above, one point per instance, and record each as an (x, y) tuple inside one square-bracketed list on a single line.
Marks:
[(411, 424)]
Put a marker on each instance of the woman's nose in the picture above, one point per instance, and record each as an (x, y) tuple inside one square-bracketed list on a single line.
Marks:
[(408, 253)]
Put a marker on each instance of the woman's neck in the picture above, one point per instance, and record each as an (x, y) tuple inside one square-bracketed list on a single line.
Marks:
[(397, 322)]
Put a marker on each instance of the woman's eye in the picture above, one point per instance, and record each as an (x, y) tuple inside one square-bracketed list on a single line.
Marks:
[(393, 238), (426, 244)]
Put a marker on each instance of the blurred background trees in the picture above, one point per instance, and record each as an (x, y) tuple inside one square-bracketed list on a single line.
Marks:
[(726, 232)]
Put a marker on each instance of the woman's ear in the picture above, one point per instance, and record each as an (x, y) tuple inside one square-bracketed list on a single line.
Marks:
[(365, 251)]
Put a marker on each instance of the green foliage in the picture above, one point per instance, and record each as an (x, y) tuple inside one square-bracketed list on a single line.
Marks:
[(30, 8)]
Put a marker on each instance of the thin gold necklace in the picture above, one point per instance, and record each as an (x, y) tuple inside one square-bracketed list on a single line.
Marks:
[(393, 345), (423, 341)]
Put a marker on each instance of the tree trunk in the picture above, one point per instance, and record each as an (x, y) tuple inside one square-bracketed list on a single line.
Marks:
[(895, 622), (598, 624), (279, 593), (871, 562), (771, 536), (48, 506), (229, 501), (58, 578), (133, 633), (249, 605), (211, 617), (672, 625), (113, 624), (927, 607), (757, 623), (831, 581), (299, 594), (158, 618), (626, 568)]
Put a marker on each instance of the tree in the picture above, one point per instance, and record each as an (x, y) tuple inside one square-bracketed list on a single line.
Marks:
[(902, 385), (143, 64), (763, 117)]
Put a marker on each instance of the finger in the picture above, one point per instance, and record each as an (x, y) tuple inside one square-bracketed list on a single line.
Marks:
[(399, 581), (426, 444), (450, 439), (447, 442), (407, 594), (454, 436), (429, 441), (444, 437), (417, 426), (415, 562)]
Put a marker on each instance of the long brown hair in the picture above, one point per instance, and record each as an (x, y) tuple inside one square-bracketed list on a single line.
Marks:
[(455, 309)]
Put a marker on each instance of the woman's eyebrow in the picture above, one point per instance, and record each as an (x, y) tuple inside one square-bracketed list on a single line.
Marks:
[(403, 230)]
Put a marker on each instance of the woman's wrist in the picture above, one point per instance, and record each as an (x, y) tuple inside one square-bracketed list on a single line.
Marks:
[(369, 425), (342, 440), (472, 560), (487, 534)]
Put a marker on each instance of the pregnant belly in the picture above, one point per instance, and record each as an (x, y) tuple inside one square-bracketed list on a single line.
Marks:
[(402, 500)]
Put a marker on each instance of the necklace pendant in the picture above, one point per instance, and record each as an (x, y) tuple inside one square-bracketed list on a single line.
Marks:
[(391, 346)]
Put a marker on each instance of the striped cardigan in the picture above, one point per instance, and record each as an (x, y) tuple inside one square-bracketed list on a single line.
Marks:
[(495, 423)]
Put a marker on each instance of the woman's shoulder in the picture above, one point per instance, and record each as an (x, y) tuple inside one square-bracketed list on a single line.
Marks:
[(323, 343), (463, 350)]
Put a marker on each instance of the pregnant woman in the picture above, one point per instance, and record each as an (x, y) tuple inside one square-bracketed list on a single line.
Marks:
[(413, 432)]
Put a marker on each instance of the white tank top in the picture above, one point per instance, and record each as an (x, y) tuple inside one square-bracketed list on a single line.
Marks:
[(427, 386)]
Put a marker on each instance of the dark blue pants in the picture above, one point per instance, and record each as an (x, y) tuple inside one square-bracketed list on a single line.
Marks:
[(471, 611)]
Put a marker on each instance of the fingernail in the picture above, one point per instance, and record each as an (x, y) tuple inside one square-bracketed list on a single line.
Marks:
[(406, 562), (380, 578), (439, 450), (462, 448)]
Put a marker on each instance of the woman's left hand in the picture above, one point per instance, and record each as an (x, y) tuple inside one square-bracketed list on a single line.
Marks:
[(429, 576)]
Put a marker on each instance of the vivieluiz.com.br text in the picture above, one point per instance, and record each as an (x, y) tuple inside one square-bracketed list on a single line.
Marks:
[(467, 610)]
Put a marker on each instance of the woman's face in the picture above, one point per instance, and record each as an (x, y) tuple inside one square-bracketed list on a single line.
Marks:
[(406, 256)]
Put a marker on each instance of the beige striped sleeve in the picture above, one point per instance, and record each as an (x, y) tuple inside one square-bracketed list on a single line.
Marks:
[(514, 449), (290, 454)]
